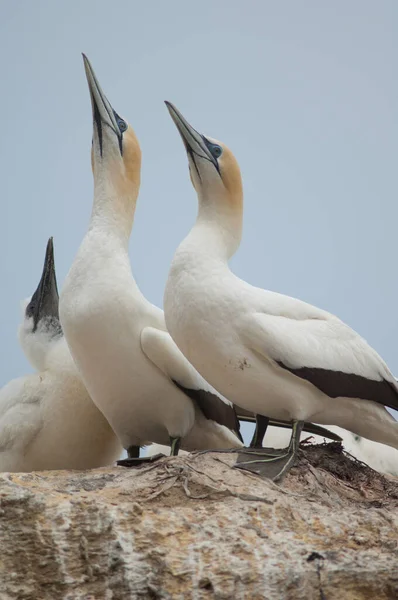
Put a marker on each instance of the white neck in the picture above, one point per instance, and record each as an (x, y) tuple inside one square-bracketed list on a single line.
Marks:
[(103, 254), (112, 212), (37, 346), (217, 231)]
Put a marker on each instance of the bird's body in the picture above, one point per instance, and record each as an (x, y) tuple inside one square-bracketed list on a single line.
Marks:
[(272, 354), (47, 419), (256, 331), (133, 370), (110, 325)]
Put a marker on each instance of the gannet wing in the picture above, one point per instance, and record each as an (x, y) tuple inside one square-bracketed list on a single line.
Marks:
[(324, 351), (160, 349)]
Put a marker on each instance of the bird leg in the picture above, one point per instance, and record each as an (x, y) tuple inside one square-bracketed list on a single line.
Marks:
[(275, 463), (134, 460), (133, 452), (259, 433), (174, 446)]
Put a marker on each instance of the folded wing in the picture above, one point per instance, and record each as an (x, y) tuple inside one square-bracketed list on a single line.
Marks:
[(325, 352), (159, 348)]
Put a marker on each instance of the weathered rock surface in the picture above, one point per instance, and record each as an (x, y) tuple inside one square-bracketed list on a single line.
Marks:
[(193, 528)]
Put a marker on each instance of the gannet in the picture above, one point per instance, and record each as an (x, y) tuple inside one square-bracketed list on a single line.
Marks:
[(47, 419), (271, 354), (132, 369)]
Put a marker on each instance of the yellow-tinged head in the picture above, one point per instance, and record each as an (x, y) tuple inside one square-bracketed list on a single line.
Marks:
[(115, 153), (214, 170)]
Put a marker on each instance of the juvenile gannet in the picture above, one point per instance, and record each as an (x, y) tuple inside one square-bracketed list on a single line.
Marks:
[(131, 367), (47, 419), (271, 354)]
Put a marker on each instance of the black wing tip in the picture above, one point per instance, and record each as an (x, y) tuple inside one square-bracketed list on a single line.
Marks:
[(213, 408), (337, 384), (322, 431)]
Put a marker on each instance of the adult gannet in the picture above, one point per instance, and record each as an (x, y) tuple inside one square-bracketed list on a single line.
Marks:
[(133, 370), (271, 354), (47, 419)]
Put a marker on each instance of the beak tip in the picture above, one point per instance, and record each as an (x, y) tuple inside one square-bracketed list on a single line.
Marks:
[(86, 63), (50, 246)]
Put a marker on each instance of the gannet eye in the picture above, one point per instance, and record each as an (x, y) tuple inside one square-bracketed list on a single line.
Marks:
[(216, 150), (122, 125)]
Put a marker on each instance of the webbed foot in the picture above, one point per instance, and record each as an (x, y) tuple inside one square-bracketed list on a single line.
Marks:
[(136, 462), (271, 463)]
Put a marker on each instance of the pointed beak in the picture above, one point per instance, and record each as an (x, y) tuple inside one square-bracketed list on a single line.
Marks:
[(44, 302), (194, 142), (103, 113)]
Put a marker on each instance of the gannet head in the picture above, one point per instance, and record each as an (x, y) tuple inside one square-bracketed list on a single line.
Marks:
[(214, 170), (116, 153), (41, 326)]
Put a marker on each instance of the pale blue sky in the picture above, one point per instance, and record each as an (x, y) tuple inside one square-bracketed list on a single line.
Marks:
[(304, 93)]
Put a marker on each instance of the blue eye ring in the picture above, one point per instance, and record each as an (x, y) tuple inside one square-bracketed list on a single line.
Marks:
[(122, 125), (216, 151)]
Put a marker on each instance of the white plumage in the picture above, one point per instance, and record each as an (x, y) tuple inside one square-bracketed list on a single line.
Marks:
[(272, 354), (47, 419), (133, 370)]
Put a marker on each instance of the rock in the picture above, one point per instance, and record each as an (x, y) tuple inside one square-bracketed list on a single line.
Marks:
[(191, 527)]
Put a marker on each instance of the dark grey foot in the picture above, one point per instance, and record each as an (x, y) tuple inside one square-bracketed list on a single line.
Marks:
[(269, 462), (266, 462), (219, 451), (174, 446), (259, 453), (136, 462)]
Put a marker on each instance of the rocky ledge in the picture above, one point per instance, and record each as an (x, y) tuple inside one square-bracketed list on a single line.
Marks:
[(191, 527)]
